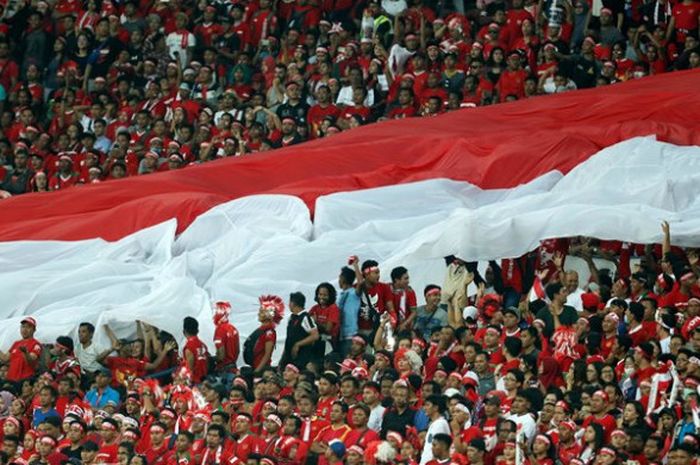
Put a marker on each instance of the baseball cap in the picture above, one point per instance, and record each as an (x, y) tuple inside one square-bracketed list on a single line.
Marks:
[(29, 320)]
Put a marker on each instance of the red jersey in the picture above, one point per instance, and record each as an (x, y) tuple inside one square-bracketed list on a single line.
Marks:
[(196, 347), (404, 301), (607, 421), (361, 438), (328, 434), (20, 368), (566, 453), (323, 408), (267, 334), (310, 428), (108, 453), (226, 336), (378, 295), (155, 455), (686, 17), (329, 314), (317, 114), (245, 446), (125, 368), (60, 181), (511, 83)]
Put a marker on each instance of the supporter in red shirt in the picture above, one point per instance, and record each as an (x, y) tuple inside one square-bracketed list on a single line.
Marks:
[(512, 80), (109, 431), (226, 339), (323, 109), (158, 448), (195, 355), (326, 315), (599, 413), (23, 355), (375, 297), (264, 338)]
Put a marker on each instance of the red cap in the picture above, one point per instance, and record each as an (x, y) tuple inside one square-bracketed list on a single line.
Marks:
[(29, 320)]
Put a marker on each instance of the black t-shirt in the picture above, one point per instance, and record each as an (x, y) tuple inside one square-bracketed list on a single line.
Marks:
[(298, 111), (103, 55)]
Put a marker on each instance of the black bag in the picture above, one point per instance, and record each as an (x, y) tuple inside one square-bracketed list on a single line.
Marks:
[(249, 347)]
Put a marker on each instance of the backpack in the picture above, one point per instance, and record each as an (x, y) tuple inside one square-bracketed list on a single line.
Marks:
[(249, 346)]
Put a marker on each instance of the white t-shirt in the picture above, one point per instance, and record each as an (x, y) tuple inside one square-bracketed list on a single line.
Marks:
[(574, 300), (394, 7), (376, 415), (345, 97), (436, 427), (175, 41), (526, 423), (88, 357)]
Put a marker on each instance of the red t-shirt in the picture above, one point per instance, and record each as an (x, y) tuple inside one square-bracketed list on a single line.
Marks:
[(360, 438), (226, 336), (317, 114), (19, 368), (124, 368), (268, 334), (511, 83), (379, 295), (329, 314), (108, 453), (245, 446), (607, 422), (195, 346), (404, 300)]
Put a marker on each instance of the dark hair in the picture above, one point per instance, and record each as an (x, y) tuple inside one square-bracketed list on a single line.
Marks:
[(369, 264), (438, 401), (190, 326), (398, 272), (519, 375), (553, 289), (222, 414), (51, 389), (90, 327), (599, 435), (343, 406), (534, 332), (348, 274), (443, 438), (298, 299), (218, 428), (637, 311), (364, 407), (513, 345), (129, 447), (355, 382), (331, 292), (297, 421), (430, 287), (12, 438)]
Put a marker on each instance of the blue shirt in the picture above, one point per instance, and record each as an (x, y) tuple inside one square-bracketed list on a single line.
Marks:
[(99, 401), (40, 416), (349, 305), (427, 321)]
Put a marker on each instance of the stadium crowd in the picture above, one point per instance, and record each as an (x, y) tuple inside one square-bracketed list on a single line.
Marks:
[(535, 368), (101, 89)]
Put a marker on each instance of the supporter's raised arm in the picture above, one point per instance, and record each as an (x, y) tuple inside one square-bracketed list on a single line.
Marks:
[(668, 255), (115, 344)]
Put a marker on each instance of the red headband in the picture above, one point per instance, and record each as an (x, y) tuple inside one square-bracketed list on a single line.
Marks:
[(433, 291)]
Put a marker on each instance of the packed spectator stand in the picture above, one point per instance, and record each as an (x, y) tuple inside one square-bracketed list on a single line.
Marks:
[(534, 367), (519, 363), (102, 90)]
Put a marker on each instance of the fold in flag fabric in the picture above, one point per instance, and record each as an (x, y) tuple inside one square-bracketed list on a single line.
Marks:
[(481, 184)]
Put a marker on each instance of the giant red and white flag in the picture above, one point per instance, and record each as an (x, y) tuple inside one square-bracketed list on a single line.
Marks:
[(479, 183)]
